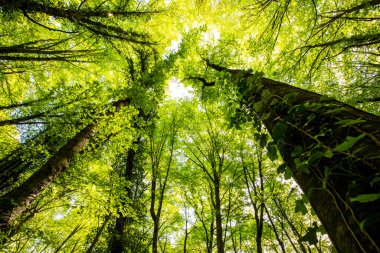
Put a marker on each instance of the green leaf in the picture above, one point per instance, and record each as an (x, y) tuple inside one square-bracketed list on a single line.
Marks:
[(297, 151), (374, 181), (282, 168), (272, 152), (315, 156), (279, 132), (325, 98), (364, 198), (309, 193), (348, 143), (321, 229), (304, 198), (310, 236), (300, 207), (263, 140), (290, 96), (349, 122), (288, 174), (328, 153)]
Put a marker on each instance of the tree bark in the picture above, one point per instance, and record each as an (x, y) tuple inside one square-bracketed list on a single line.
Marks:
[(118, 244), (14, 203), (218, 216), (81, 18), (273, 227), (306, 125), (98, 233)]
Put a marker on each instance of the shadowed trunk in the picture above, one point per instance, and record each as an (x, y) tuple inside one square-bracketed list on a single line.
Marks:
[(98, 233), (331, 148), (118, 244)]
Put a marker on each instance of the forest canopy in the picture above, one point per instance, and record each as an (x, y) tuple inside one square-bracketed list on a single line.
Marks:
[(189, 126)]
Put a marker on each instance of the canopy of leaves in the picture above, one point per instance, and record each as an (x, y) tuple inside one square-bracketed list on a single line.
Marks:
[(66, 65)]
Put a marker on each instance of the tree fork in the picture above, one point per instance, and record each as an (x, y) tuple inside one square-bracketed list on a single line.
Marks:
[(332, 150)]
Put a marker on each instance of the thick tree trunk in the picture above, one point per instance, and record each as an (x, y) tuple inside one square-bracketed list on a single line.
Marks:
[(14, 203), (156, 226), (311, 132)]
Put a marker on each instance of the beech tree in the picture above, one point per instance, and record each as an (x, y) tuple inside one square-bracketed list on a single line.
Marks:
[(277, 101), (336, 170)]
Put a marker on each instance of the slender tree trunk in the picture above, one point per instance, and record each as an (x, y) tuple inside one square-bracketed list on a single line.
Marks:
[(156, 226), (257, 208), (186, 235), (290, 223), (260, 210), (14, 203), (98, 233), (280, 242), (210, 245), (218, 216), (284, 229), (118, 244), (153, 213), (311, 133)]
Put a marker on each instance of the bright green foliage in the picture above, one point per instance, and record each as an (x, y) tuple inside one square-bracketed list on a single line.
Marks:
[(61, 73)]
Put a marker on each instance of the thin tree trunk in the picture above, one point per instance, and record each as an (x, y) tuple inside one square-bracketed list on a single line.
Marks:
[(117, 242), (218, 216), (98, 233), (303, 121), (291, 225), (280, 242), (210, 245), (186, 235)]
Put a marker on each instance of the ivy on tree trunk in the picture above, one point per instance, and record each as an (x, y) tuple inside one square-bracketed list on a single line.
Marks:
[(331, 149)]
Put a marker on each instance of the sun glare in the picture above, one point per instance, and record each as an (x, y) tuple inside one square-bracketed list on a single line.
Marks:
[(177, 90)]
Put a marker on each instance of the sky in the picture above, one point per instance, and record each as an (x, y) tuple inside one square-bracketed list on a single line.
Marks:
[(176, 90)]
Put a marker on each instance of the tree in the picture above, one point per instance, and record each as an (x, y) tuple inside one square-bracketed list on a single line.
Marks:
[(84, 17), (336, 170), (15, 202), (64, 66), (161, 139)]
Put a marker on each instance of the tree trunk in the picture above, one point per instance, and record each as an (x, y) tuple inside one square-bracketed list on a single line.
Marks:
[(186, 235), (210, 245), (98, 233), (152, 210), (331, 148), (118, 244), (273, 227), (81, 18), (14, 203), (218, 216)]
